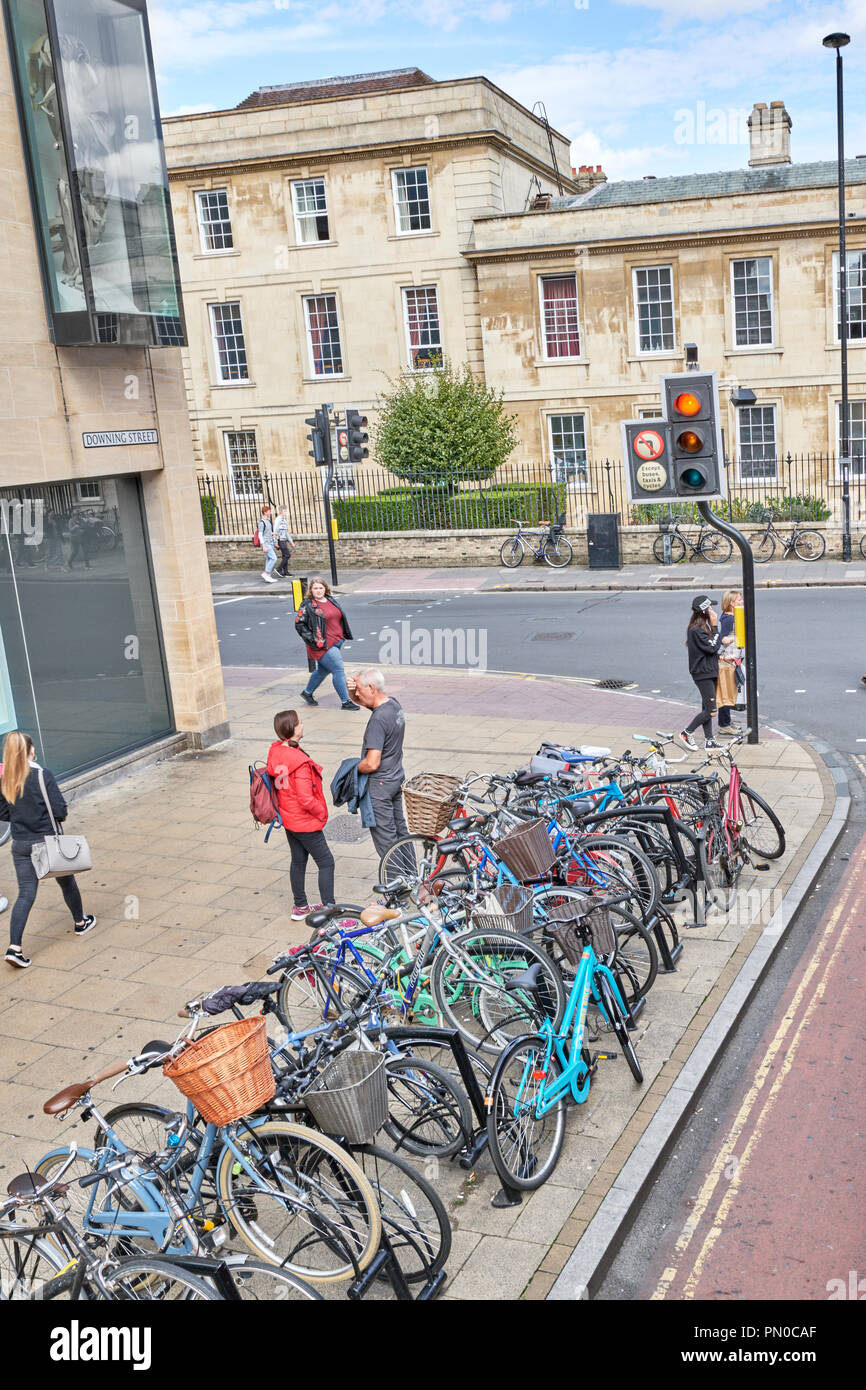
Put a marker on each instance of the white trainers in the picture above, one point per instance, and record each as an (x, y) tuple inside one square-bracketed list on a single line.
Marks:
[(4, 903), (16, 957), (268, 578)]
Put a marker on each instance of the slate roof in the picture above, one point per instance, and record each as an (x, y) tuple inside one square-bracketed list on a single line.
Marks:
[(323, 88), (777, 177)]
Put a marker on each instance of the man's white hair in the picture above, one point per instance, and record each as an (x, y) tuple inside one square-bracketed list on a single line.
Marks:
[(371, 675)]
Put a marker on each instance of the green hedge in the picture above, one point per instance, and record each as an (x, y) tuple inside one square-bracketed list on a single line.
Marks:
[(784, 507), (209, 514), (432, 507)]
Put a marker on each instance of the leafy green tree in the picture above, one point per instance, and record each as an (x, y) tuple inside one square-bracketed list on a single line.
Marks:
[(443, 426)]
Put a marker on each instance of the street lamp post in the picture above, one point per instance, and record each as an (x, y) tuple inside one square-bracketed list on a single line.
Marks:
[(840, 41)]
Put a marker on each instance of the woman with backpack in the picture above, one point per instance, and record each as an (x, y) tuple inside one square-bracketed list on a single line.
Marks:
[(703, 640), (322, 625), (297, 782)]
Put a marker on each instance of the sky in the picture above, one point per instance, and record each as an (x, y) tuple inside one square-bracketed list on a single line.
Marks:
[(638, 86)]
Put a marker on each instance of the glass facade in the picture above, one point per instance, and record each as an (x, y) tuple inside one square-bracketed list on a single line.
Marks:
[(97, 168), (81, 664)]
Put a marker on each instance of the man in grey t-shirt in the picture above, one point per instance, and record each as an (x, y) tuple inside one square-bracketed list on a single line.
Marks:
[(382, 760)]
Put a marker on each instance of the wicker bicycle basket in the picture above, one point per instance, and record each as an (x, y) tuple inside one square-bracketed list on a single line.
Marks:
[(430, 802), (569, 920), (350, 1096), (509, 906), (527, 851), (227, 1073)]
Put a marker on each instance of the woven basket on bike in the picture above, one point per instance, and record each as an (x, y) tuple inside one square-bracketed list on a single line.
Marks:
[(508, 907), (227, 1073), (349, 1097), (430, 802), (575, 922), (527, 851), (666, 524)]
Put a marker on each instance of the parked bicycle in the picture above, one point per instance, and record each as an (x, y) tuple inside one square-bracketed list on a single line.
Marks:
[(551, 547), (806, 544), (709, 543)]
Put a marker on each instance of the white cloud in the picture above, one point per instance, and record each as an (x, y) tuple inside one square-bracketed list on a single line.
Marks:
[(699, 11)]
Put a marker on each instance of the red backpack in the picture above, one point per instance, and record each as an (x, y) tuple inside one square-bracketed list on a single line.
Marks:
[(257, 540), (263, 800)]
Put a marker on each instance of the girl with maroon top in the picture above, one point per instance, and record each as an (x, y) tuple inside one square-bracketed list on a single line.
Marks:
[(303, 813), (322, 625)]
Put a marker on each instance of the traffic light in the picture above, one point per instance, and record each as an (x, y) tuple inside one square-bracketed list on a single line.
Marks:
[(691, 407), (342, 445), (356, 430), (646, 448), (316, 437)]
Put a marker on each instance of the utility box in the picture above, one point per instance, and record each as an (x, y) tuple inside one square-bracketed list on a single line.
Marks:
[(602, 541)]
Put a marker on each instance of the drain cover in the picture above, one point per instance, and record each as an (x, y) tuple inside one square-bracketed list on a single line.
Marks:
[(348, 830), (552, 636), (613, 684)]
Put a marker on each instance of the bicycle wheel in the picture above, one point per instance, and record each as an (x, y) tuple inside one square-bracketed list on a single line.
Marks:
[(618, 1022), (716, 868), (678, 549), (412, 857), (716, 547), (428, 1113), (27, 1262), (469, 982), (511, 553), (558, 553), (524, 1145), (809, 545), (764, 550), (414, 1217), (617, 864), (258, 1282), (304, 1002), (635, 960), (863, 546), (143, 1279), (761, 831), (305, 1205)]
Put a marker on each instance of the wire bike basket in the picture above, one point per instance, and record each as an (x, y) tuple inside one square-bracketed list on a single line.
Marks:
[(527, 851), (507, 907), (430, 802), (227, 1073), (350, 1096), (574, 924)]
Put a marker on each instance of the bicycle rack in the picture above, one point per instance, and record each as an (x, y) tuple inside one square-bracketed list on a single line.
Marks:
[(386, 1264)]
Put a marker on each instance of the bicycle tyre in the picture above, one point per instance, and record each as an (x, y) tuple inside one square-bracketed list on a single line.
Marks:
[(716, 869), (558, 553), (678, 549), (257, 1281), (148, 1280), (764, 550), (302, 1001), (812, 543), (346, 1191), (458, 995), (863, 546), (27, 1262), (425, 855), (619, 1023), (511, 553), (716, 548), (514, 1136), (639, 872), (414, 1217), (444, 1106), (750, 834)]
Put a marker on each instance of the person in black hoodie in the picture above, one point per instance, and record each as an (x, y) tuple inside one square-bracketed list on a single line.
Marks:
[(703, 640), (23, 805)]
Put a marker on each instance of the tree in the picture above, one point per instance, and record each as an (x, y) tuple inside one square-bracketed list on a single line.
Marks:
[(443, 426)]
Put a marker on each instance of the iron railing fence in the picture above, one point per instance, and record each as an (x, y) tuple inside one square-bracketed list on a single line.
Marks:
[(802, 487)]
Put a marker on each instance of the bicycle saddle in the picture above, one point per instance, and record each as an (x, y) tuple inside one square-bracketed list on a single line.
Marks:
[(375, 916), (323, 915), (584, 806), (457, 842), (26, 1185), (527, 980), (62, 1101), (525, 777)]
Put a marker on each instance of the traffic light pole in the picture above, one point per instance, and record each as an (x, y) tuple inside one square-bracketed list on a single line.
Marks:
[(328, 475), (749, 608)]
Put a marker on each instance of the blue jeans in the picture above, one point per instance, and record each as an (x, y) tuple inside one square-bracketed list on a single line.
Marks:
[(270, 558), (330, 664)]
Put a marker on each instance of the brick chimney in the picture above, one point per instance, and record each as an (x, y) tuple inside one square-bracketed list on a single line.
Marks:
[(586, 177), (769, 135)]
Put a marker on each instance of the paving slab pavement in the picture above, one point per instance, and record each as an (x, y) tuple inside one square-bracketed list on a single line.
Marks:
[(201, 901)]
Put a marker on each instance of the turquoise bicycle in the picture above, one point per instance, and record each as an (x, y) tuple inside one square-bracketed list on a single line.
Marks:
[(536, 1074)]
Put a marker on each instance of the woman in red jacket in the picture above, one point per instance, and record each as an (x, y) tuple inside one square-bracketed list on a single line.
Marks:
[(303, 813)]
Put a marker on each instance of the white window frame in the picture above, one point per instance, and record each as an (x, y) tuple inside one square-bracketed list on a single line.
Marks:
[(837, 337), (650, 412), (858, 465), (758, 478), (413, 289), (752, 347), (579, 481), (81, 495), (220, 379), (395, 177), (231, 465), (298, 215), (323, 376), (206, 250), (653, 352), (560, 275)]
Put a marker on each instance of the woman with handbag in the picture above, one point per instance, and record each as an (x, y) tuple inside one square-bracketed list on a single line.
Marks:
[(31, 801), (323, 626), (726, 686), (303, 812)]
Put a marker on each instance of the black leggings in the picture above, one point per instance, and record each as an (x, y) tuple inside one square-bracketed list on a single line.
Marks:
[(707, 688), (304, 844), (27, 886)]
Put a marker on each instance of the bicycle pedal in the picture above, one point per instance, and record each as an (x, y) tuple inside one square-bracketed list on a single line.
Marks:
[(603, 1057)]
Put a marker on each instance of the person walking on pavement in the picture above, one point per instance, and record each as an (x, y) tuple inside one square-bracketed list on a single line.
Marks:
[(382, 758), (323, 626), (23, 805), (303, 812), (284, 541), (726, 687), (703, 641), (79, 540), (266, 541)]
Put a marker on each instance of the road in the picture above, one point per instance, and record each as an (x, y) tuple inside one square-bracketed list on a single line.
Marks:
[(811, 652)]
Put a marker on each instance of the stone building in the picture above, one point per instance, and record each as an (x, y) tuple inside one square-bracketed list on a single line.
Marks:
[(107, 635), (321, 232)]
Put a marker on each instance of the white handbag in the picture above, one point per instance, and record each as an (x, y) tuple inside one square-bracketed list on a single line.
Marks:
[(58, 855)]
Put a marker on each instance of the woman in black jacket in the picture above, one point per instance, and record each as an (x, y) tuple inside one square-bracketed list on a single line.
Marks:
[(703, 641), (22, 804), (323, 626)]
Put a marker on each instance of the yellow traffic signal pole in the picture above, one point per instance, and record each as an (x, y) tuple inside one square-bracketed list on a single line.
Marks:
[(748, 611), (328, 475)]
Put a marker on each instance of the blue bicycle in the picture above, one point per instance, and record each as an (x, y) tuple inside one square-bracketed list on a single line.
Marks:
[(536, 1074)]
